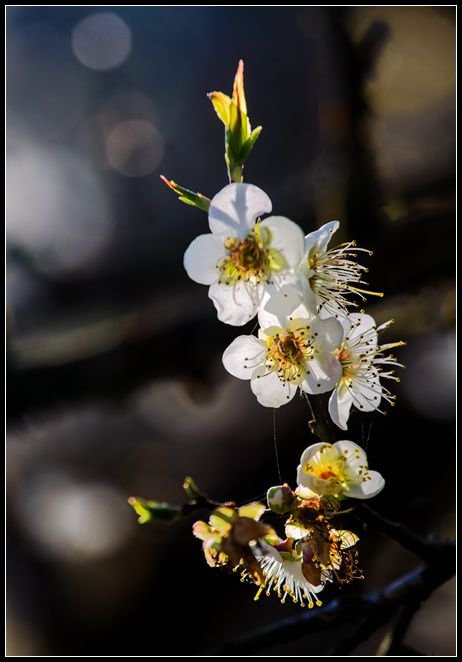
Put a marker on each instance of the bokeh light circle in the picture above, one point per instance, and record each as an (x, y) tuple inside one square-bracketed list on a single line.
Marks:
[(102, 41)]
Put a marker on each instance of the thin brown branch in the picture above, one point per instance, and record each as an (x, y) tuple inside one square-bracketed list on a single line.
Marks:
[(429, 549), (372, 610)]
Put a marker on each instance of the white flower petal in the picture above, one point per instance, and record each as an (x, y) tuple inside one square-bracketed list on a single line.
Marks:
[(362, 329), (355, 455), (234, 210), (201, 258), (287, 573), (279, 306), (368, 488), (332, 309), (306, 456), (319, 239), (322, 374), (296, 530), (312, 450), (339, 406), (235, 304), (264, 549), (281, 297), (330, 333), (287, 238), (366, 394), (243, 355), (304, 492), (270, 390)]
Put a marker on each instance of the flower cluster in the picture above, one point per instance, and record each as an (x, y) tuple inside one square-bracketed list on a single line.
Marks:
[(299, 290), (313, 550), (311, 339)]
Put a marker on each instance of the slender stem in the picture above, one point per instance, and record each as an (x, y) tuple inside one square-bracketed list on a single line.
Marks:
[(319, 425), (427, 550), (402, 624)]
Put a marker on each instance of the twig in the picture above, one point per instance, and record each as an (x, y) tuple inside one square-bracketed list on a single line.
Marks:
[(319, 425), (394, 641), (376, 607), (428, 550)]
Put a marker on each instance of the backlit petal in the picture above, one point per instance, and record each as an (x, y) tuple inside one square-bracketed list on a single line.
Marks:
[(201, 258), (234, 210), (243, 355)]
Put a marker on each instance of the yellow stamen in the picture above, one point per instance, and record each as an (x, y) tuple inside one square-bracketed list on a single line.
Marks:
[(357, 289)]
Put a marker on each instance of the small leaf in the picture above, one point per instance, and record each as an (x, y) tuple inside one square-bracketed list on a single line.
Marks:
[(249, 144), (154, 510), (221, 103), (238, 88), (238, 132), (189, 197), (222, 519)]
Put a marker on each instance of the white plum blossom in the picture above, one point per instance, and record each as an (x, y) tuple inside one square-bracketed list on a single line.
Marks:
[(364, 363), (328, 276), (241, 258), (284, 574), (291, 352), (340, 470)]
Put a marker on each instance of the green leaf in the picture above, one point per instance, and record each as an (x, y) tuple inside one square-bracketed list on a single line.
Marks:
[(188, 197), (221, 102), (148, 511), (249, 144), (239, 130)]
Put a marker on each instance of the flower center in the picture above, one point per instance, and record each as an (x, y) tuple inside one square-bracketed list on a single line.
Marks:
[(327, 471), (287, 353), (342, 354), (250, 259), (348, 360), (327, 474), (246, 255), (330, 469)]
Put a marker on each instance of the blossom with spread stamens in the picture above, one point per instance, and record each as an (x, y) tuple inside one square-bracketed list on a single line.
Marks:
[(286, 572), (364, 363), (339, 469), (242, 257), (291, 352), (329, 276)]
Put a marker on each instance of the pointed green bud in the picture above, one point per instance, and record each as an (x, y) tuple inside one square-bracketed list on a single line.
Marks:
[(149, 511), (239, 137), (191, 489)]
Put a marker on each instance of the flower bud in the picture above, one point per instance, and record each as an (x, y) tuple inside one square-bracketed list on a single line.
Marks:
[(280, 498)]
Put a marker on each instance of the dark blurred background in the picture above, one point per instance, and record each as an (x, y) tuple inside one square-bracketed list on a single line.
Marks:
[(115, 381)]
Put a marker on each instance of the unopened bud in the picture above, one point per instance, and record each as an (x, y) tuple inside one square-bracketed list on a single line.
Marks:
[(280, 498)]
